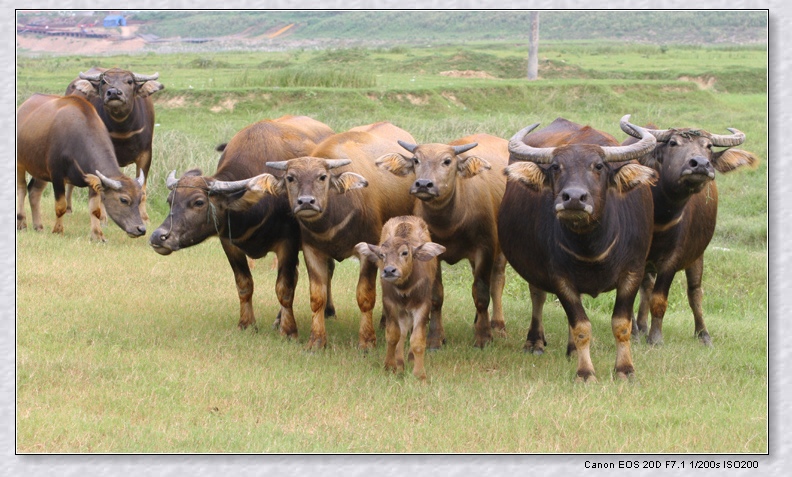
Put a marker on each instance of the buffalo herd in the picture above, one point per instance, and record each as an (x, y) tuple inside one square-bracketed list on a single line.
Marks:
[(572, 210)]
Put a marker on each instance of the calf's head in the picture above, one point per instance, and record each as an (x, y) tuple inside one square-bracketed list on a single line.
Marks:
[(686, 160), (395, 256), (436, 168), (309, 183), (198, 208), (580, 175), (121, 198)]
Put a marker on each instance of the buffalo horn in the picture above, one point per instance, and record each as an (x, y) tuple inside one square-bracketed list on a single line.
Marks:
[(228, 187), (279, 165), (333, 163), (108, 182), (144, 78), (524, 152), (662, 135), (407, 145), (171, 181), (631, 151), (728, 140), (464, 147), (95, 77)]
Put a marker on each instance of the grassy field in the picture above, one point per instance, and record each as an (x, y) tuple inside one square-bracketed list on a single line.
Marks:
[(122, 350)]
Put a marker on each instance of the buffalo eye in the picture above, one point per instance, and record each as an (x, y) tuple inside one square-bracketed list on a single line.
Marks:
[(198, 203), (405, 253), (599, 166), (124, 200), (416, 161), (555, 167), (673, 143), (289, 178), (447, 162), (709, 145), (323, 177)]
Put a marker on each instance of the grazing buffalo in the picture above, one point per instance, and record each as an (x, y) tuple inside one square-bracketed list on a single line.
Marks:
[(460, 192), (577, 218), (123, 100), (685, 210), (407, 259), (229, 205), (60, 139), (340, 198)]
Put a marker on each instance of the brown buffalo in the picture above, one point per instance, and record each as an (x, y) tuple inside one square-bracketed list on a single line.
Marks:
[(60, 139), (340, 198), (460, 186), (685, 211), (123, 100), (577, 218), (229, 205), (407, 259)]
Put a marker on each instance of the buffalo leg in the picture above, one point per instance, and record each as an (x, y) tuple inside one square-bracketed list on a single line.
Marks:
[(482, 273), (288, 258), (60, 204), (21, 190), (621, 324), (580, 332), (535, 341), (69, 189), (95, 212), (318, 276), (497, 283), (330, 311), (640, 325), (393, 336), (366, 298), (35, 190), (657, 306), (695, 296), (143, 163), (244, 283), (436, 337), (418, 341)]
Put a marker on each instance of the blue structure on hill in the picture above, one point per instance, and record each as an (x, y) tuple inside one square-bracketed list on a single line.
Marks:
[(114, 21)]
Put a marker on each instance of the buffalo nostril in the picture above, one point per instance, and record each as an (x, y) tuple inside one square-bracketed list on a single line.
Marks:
[(694, 163), (565, 197), (583, 197), (142, 229)]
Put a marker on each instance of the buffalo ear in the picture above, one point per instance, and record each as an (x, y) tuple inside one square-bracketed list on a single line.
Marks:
[(427, 251), (396, 164), (630, 176), (86, 88), (94, 182), (348, 181), (472, 165), (527, 173), (367, 251), (731, 159), (149, 87)]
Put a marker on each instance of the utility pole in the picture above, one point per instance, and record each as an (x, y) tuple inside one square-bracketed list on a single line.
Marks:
[(533, 48)]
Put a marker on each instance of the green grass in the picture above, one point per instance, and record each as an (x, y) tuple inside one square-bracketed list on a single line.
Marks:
[(121, 350)]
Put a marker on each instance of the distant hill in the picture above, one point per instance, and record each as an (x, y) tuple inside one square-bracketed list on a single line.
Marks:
[(415, 27)]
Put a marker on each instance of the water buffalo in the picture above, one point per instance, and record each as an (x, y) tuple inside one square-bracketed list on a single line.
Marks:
[(407, 259), (340, 198), (249, 223), (123, 100), (685, 211), (577, 218), (60, 139), (460, 186)]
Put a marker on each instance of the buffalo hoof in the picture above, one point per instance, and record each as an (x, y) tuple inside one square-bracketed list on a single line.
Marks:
[(499, 329), (654, 339), (243, 325), (367, 344), (482, 341), (705, 339), (535, 348), (586, 378), (316, 343), (625, 376), (434, 344)]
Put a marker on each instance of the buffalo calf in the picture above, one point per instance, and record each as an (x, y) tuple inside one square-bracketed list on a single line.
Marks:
[(406, 258)]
